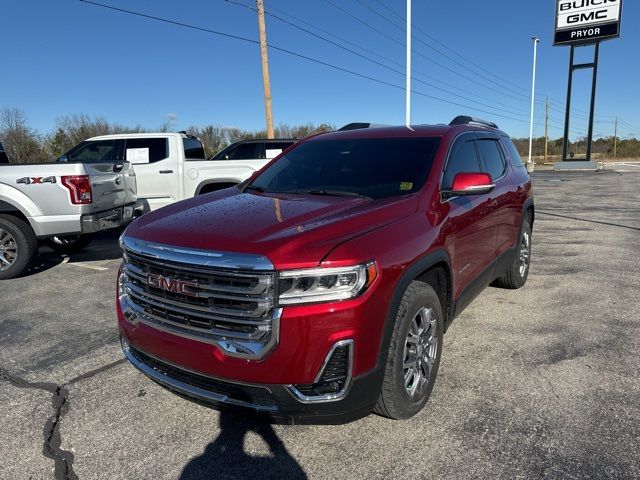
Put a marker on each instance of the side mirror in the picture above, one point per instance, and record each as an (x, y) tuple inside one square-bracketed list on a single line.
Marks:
[(470, 184), (63, 159)]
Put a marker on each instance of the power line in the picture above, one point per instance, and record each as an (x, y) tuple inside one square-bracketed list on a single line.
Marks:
[(290, 52), (401, 28), (429, 59), (473, 100), (432, 38), (371, 52)]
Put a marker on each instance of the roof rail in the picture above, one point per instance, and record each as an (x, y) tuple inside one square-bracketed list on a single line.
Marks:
[(466, 120), (359, 125)]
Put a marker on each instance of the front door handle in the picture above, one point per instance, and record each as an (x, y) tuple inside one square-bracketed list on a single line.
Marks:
[(166, 171)]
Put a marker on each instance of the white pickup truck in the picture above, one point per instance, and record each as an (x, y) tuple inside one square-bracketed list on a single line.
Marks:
[(172, 166), (61, 203)]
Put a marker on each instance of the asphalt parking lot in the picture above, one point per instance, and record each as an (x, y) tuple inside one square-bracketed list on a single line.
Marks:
[(543, 382)]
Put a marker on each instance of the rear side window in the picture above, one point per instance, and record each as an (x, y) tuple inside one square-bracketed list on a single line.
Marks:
[(98, 151), (244, 151), (491, 157), (146, 150), (512, 151), (463, 159), (193, 149)]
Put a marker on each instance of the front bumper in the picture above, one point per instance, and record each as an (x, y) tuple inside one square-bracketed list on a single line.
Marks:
[(114, 218), (276, 403)]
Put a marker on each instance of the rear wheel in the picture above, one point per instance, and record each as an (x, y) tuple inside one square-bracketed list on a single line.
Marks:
[(18, 245), (414, 353), (518, 272), (68, 243)]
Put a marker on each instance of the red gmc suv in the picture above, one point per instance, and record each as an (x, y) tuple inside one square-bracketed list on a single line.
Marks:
[(319, 289)]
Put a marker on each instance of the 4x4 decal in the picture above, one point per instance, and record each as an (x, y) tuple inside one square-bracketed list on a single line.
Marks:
[(36, 180)]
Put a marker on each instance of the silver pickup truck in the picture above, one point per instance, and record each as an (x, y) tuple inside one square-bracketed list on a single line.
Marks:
[(61, 203)]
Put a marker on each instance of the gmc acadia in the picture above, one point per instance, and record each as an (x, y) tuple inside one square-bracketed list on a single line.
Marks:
[(320, 289)]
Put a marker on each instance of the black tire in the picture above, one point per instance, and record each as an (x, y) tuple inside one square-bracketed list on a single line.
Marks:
[(24, 240), (395, 400), (514, 278), (68, 243)]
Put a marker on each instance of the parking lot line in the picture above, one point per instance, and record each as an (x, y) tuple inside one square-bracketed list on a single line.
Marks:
[(90, 267)]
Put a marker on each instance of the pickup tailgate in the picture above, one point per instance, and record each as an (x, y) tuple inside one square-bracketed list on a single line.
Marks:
[(111, 185)]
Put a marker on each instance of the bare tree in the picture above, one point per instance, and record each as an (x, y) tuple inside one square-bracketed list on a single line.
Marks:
[(21, 142)]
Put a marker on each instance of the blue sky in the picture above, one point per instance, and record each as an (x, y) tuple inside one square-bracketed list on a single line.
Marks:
[(64, 56)]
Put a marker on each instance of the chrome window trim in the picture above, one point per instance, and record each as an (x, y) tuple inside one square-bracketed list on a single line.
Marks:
[(329, 397), (185, 388)]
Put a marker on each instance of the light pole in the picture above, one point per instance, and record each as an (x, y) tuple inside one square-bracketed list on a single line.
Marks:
[(408, 82), (536, 40)]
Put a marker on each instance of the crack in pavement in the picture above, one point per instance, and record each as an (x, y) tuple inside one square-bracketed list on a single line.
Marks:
[(52, 440)]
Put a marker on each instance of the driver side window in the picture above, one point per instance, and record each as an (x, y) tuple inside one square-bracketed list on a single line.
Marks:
[(463, 158)]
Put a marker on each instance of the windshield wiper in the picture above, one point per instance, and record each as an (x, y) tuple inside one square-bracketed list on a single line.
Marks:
[(331, 193)]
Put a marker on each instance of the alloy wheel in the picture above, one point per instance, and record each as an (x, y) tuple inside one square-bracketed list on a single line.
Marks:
[(525, 253), (8, 250), (420, 351)]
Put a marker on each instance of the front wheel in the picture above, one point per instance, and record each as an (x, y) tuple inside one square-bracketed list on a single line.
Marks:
[(68, 243), (414, 353)]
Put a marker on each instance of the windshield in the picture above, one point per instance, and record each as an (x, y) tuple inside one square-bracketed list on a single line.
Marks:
[(375, 168)]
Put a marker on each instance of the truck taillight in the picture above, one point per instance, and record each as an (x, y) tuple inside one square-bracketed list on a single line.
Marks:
[(79, 187)]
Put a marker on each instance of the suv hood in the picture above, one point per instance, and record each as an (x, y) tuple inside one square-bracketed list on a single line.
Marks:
[(293, 231)]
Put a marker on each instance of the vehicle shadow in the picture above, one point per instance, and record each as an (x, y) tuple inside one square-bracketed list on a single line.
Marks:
[(104, 246), (225, 457)]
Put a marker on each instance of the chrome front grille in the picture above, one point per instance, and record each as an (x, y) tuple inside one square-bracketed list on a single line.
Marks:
[(219, 298)]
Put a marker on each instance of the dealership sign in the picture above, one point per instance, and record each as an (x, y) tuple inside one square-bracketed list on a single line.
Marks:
[(587, 21)]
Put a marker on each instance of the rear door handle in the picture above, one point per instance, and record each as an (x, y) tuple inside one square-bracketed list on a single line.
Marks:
[(166, 171)]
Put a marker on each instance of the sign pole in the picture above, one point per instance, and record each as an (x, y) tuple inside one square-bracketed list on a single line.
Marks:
[(536, 40), (567, 115), (408, 82), (593, 99)]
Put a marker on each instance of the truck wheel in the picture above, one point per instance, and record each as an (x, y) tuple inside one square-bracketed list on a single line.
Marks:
[(414, 353), (18, 245), (518, 272), (68, 243)]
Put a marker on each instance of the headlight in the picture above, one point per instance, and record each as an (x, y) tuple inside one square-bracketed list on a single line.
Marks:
[(325, 284)]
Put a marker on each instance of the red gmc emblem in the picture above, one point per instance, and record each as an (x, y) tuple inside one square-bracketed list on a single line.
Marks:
[(170, 284)]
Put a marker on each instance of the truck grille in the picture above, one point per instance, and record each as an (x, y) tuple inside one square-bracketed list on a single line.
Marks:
[(185, 294)]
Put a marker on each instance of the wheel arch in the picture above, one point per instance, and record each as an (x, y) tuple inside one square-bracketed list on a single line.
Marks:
[(528, 211), (11, 209), (434, 269)]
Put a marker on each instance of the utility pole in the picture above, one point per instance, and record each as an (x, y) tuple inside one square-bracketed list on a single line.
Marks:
[(615, 141), (530, 164), (265, 68), (546, 130)]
